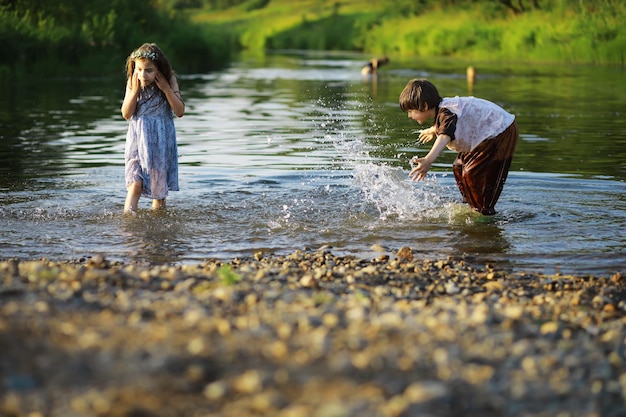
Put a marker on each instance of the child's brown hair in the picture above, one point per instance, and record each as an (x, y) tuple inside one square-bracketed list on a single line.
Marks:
[(152, 52), (419, 94)]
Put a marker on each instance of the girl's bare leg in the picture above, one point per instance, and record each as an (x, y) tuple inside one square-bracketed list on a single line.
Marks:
[(132, 197), (158, 204)]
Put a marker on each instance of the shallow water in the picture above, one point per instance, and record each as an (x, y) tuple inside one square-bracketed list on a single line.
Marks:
[(298, 151)]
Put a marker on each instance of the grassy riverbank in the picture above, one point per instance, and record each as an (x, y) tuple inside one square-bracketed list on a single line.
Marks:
[(563, 31), (89, 37)]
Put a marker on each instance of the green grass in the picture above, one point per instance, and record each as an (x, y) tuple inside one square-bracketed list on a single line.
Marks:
[(88, 37), (308, 24), (227, 276), (566, 32)]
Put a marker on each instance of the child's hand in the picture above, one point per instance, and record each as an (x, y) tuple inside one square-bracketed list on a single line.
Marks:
[(161, 82), (135, 85), (427, 135), (419, 171)]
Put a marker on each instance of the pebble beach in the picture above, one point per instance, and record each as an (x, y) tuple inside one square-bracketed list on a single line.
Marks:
[(308, 334)]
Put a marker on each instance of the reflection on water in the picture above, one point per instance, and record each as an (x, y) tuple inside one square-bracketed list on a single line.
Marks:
[(154, 238), (300, 151)]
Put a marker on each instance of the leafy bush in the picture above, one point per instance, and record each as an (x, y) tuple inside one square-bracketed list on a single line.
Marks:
[(73, 35)]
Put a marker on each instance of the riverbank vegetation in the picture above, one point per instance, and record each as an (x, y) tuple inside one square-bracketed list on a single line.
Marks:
[(91, 37), (519, 30)]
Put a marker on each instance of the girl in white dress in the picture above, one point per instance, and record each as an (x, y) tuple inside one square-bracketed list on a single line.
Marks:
[(152, 99)]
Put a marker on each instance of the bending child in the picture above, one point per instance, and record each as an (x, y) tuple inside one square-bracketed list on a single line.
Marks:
[(151, 100), (483, 134)]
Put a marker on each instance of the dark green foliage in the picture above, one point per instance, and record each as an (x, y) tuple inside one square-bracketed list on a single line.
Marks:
[(93, 37), (196, 49), (256, 4), (224, 4), (337, 32)]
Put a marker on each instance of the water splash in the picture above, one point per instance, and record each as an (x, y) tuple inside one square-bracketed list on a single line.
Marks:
[(387, 188), (394, 195)]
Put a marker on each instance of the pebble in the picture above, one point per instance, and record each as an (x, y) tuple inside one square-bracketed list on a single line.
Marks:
[(308, 334)]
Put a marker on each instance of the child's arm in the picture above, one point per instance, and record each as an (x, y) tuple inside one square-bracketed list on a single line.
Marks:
[(419, 172), (130, 98), (172, 93)]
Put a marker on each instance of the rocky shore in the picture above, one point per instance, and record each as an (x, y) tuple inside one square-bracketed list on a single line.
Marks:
[(308, 334)]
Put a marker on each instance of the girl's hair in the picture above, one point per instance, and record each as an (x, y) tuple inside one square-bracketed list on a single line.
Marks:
[(419, 94), (152, 52)]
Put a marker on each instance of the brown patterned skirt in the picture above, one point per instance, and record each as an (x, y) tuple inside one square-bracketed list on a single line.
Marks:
[(480, 174)]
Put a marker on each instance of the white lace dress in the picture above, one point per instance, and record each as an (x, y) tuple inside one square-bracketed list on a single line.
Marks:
[(151, 153)]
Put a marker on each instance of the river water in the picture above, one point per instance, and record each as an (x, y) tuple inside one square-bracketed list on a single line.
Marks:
[(299, 151)]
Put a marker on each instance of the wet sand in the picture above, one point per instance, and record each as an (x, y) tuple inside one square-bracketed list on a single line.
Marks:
[(309, 334)]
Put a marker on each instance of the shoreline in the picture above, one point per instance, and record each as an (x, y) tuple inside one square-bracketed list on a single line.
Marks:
[(308, 334)]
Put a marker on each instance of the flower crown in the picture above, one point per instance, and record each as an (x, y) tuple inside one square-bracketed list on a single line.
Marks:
[(144, 54)]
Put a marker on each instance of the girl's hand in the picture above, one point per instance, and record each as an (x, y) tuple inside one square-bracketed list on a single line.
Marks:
[(135, 85), (419, 171), (161, 82), (133, 88)]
